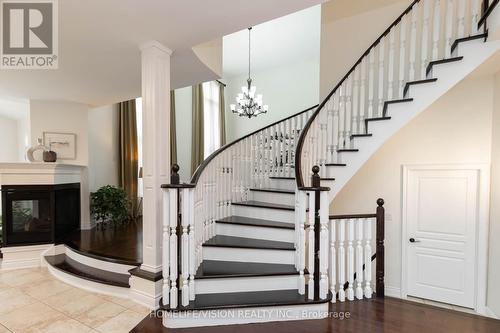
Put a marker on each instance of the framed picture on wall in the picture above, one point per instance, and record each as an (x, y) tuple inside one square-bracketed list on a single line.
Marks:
[(64, 144)]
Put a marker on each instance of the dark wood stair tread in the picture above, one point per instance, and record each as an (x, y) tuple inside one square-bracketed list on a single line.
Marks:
[(66, 264), (347, 150), (395, 101), (442, 61), (336, 164), (247, 243), (276, 177), (273, 190), (243, 220), (248, 299), (412, 83), (262, 204), (228, 269), (365, 135), (466, 39)]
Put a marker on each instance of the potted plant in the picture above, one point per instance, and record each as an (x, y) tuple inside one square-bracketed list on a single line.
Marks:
[(110, 204)]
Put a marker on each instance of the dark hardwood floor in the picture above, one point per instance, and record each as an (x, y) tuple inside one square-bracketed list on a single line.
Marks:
[(121, 244), (377, 315)]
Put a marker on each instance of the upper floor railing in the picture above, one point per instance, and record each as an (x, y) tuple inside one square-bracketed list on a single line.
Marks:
[(424, 32)]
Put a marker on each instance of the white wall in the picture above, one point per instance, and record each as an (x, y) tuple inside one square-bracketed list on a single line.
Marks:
[(286, 90), (103, 146), (64, 117), (348, 28), (454, 130), (8, 139), (494, 251)]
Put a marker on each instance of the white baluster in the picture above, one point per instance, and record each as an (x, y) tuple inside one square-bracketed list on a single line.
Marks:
[(450, 10), (192, 246), (323, 249), (362, 97), (371, 83), (350, 260), (461, 19), (425, 40), (336, 107), (342, 111), (359, 259), (302, 241), (185, 246), (437, 30), (348, 113), (329, 130), (402, 54), (173, 248), (391, 65), (310, 258), (333, 261), (474, 16), (413, 43), (381, 72), (368, 258), (341, 261), (355, 103), (166, 247)]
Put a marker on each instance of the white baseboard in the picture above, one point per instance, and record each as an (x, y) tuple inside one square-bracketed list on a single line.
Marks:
[(18, 257), (490, 313), (392, 291)]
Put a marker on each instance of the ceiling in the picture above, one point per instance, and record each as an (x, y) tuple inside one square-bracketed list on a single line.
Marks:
[(285, 40), (99, 59)]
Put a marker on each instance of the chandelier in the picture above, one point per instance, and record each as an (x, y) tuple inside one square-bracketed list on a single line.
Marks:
[(247, 103)]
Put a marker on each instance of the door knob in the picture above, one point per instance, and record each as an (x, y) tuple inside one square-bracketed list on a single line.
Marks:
[(413, 240)]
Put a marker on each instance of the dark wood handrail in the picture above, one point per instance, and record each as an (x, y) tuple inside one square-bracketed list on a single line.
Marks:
[(352, 216), (300, 144), (203, 165), (487, 10)]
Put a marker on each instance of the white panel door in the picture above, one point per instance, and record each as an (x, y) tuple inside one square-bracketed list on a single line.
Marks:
[(441, 219)]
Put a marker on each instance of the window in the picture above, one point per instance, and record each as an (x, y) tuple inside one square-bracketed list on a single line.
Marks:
[(211, 114)]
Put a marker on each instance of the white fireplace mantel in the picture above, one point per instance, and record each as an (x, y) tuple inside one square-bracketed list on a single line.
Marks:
[(39, 173)]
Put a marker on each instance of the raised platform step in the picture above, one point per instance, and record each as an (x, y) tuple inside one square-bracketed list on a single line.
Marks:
[(248, 299), (247, 243), (248, 221), (231, 269), (229, 308), (261, 204), (64, 263)]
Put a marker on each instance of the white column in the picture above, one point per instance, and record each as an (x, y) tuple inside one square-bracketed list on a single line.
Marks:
[(156, 147)]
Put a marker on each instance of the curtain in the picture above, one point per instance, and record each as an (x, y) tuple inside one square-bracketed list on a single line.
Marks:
[(222, 115), (173, 132), (197, 140), (128, 159)]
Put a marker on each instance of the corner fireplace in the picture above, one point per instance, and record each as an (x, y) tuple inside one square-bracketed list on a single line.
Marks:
[(39, 214)]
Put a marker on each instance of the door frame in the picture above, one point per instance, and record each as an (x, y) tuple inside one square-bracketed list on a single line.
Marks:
[(482, 230)]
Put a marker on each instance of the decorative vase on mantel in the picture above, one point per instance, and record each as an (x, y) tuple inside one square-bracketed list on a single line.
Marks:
[(47, 154)]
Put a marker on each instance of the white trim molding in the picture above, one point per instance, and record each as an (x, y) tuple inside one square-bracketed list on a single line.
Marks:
[(481, 267), (17, 257)]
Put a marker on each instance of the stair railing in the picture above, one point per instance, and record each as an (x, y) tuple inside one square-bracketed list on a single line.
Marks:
[(190, 210), (424, 32), (337, 249)]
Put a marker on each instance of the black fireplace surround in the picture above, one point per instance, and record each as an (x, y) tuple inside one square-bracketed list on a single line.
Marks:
[(39, 214)]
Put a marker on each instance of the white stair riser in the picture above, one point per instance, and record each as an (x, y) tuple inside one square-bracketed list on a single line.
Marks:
[(96, 263), (285, 184), (245, 315), (244, 284), (273, 197), (471, 44), (272, 234), (249, 255), (280, 215)]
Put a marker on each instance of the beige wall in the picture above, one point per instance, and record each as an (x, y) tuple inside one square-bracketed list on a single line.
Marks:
[(494, 251), (64, 117), (456, 129), (348, 28), (8, 140)]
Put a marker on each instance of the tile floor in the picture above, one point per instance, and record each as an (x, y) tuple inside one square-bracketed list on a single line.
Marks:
[(32, 300)]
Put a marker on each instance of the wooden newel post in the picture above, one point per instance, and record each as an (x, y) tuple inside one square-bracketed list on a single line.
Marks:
[(316, 183), (174, 175), (380, 285)]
